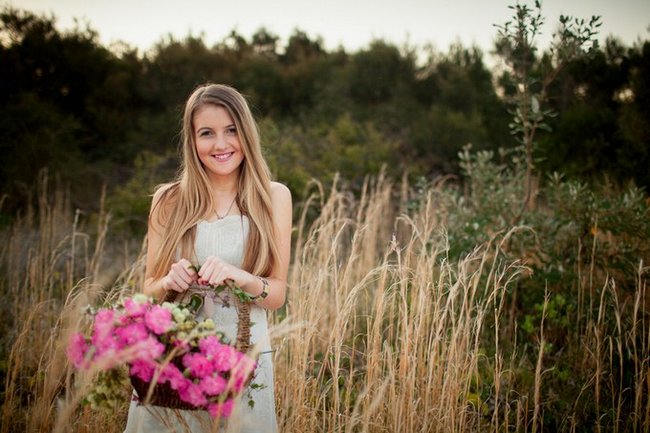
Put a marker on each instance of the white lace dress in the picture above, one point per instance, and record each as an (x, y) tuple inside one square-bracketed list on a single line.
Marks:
[(224, 238)]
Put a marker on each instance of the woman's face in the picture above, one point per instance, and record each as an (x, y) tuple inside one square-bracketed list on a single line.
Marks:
[(217, 141)]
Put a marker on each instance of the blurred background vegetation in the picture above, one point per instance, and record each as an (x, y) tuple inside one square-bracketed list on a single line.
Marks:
[(109, 116)]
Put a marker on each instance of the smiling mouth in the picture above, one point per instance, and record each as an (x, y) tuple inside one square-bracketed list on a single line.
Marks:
[(223, 156)]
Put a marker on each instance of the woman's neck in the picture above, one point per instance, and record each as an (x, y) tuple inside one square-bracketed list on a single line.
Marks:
[(225, 186)]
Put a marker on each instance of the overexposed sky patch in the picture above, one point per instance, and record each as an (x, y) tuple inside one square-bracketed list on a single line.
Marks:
[(349, 23)]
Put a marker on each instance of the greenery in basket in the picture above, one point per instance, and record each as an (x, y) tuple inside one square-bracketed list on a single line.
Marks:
[(163, 344)]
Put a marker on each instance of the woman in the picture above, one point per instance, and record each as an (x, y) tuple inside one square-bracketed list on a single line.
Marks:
[(225, 216)]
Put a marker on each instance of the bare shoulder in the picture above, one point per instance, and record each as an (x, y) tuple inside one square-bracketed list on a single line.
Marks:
[(162, 203), (280, 194), (163, 193)]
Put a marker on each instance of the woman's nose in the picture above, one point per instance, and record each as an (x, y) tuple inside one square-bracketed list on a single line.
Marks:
[(220, 141)]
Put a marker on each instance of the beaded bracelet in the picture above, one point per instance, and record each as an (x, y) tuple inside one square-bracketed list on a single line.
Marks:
[(265, 289)]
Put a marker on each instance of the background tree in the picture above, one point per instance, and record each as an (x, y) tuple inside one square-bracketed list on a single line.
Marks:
[(92, 113)]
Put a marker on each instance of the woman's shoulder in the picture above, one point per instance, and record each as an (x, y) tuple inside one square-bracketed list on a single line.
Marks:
[(165, 195), (163, 202), (280, 192), (165, 189)]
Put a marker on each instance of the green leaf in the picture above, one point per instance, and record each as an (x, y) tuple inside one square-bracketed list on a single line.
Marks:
[(195, 303), (534, 104), (241, 295)]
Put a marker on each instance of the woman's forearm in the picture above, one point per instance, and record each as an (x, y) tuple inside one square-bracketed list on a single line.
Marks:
[(154, 288)]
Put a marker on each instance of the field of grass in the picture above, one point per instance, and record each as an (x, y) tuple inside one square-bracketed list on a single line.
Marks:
[(386, 328)]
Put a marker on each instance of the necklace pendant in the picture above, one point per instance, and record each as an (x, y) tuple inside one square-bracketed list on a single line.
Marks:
[(219, 217)]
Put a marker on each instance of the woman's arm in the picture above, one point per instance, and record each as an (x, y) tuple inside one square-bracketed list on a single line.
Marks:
[(282, 216)]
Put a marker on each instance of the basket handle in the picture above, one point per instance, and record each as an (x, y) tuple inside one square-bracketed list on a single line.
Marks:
[(243, 315)]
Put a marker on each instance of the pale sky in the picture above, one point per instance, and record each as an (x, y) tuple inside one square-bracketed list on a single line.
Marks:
[(350, 23)]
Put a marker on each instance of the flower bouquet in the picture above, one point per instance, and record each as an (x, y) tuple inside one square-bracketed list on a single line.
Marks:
[(173, 358)]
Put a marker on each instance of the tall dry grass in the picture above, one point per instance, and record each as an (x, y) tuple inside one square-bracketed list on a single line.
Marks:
[(54, 262), (388, 333), (392, 331)]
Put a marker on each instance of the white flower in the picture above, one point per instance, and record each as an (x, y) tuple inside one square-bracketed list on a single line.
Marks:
[(208, 324), (141, 298), (178, 314)]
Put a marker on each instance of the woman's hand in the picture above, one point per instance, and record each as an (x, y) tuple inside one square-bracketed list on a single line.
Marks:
[(180, 277), (215, 271)]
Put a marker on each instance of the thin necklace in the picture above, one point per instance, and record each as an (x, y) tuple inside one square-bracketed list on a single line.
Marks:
[(219, 217)]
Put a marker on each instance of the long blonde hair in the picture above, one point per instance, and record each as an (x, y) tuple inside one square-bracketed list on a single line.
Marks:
[(189, 199)]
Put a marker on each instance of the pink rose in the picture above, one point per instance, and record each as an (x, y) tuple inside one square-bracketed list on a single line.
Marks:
[(242, 371), (199, 365), (134, 309), (210, 345), (131, 334), (213, 385), (76, 350), (142, 369), (172, 375), (193, 395), (103, 326), (223, 410), (159, 319), (149, 348), (224, 358)]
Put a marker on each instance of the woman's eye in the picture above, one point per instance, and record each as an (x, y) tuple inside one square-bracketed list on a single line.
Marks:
[(204, 133), (232, 131)]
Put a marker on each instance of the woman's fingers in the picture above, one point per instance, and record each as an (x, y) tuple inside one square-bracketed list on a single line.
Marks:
[(181, 275), (217, 279), (207, 269), (171, 284), (182, 272), (213, 271), (187, 266)]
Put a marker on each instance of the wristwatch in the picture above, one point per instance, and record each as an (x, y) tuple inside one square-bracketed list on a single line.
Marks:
[(265, 289)]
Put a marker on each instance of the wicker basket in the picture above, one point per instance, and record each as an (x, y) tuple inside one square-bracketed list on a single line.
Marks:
[(163, 395)]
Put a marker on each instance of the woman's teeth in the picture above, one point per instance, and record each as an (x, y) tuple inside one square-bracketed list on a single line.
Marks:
[(223, 156)]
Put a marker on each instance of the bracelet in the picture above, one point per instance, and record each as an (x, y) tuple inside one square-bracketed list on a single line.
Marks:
[(265, 290)]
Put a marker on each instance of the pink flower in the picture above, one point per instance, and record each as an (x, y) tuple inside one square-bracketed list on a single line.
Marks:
[(142, 369), (107, 356), (134, 309), (149, 348), (159, 319), (131, 334), (199, 365), (139, 333), (224, 409), (242, 371), (103, 327), (172, 375), (106, 347), (76, 350), (213, 385), (224, 358), (181, 344), (238, 380), (210, 345), (193, 395)]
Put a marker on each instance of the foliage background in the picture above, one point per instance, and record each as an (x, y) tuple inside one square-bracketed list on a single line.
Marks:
[(97, 116)]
